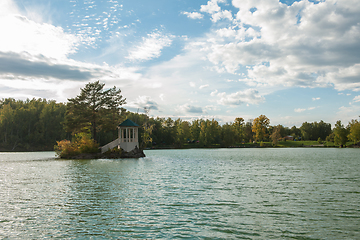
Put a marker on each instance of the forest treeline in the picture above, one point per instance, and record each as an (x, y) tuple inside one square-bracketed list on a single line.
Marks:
[(38, 124)]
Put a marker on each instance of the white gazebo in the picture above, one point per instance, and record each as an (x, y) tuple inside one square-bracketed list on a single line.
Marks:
[(128, 137)]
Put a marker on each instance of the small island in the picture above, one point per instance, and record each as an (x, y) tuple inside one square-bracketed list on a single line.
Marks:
[(94, 109), (125, 146)]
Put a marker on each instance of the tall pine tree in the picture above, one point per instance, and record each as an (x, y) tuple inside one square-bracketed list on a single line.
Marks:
[(94, 108)]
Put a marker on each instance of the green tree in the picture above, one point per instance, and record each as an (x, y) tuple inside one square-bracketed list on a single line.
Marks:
[(7, 116), (158, 132), (147, 132), (228, 135), (50, 120), (354, 131), (94, 108), (195, 130), (248, 133), (203, 136), (321, 130), (315, 130), (306, 131), (276, 134), (214, 131), (209, 132), (295, 132), (239, 129), (330, 138), (340, 134), (169, 131), (259, 127), (182, 132)]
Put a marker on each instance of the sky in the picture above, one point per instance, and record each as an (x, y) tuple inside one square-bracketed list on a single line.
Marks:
[(293, 61)]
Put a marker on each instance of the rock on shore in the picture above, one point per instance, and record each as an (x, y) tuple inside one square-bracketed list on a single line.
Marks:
[(136, 153)]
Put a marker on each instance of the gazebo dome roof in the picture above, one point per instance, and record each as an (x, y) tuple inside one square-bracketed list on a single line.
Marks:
[(128, 123)]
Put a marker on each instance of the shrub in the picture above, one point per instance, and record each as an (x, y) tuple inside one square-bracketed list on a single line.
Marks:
[(81, 143)]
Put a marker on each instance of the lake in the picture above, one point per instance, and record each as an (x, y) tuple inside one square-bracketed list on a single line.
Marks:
[(300, 193)]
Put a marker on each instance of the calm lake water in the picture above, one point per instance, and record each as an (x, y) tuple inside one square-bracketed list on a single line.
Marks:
[(303, 193)]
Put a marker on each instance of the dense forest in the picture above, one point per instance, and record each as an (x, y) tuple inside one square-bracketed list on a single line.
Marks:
[(38, 124), (30, 125), (162, 132)]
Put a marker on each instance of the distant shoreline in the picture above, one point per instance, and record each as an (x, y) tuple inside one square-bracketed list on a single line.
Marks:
[(289, 144), (214, 147)]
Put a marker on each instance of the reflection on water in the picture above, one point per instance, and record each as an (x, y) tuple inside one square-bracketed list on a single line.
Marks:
[(217, 193)]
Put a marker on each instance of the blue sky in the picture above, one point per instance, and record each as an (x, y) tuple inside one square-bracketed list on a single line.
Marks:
[(293, 61)]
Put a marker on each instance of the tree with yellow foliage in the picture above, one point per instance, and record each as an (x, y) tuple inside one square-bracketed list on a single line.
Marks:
[(259, 127)]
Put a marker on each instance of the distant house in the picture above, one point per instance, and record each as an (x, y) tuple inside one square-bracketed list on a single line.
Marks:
[(128, 137), (288, 137)]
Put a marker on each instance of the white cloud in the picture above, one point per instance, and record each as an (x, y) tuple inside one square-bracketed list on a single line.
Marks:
[(221, 15), (187, 108), (144, 102), (214, 93), (161, 96), (226, 32), (346, 113), (150, 47), (7, 7), (315, 99), (217, 14), (344, 77), (25, 74), (212, 108), (250, 96), (153, 85), (211, 6), (304, 44), (357, 98), (298, 110), (193, 15), (23, 88), (19, 34), (204, 86)]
